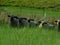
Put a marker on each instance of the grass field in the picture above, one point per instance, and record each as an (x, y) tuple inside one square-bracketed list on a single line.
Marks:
[(28, 36), (20, 11)]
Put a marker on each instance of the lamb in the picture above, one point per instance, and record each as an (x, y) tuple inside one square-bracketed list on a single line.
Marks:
[(46, 25)]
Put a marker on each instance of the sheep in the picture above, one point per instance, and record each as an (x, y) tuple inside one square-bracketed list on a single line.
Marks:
[(40, 26), (58, 24), (13, 20), (49, 26), (18, 21), (22, 22), (46, 25), (33, 23)]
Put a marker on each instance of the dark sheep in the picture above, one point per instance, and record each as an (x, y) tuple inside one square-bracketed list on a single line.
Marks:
[(29, 20), (59, 26), (13, 20), (33, 23), (22, 22), (49, 26)]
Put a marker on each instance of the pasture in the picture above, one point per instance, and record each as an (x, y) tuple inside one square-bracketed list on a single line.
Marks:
[(26, 35)]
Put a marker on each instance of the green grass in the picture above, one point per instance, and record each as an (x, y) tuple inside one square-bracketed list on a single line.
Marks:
[(28, 36), (31, 3), (30, 11)]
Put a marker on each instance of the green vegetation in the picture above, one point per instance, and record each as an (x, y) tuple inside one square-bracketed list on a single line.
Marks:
[(31, 3), (27, 12), (28, 36)]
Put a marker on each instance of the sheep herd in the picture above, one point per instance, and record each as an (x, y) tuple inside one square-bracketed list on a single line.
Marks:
[(23, 22)]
